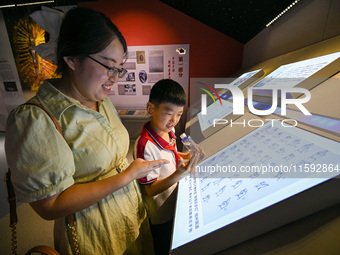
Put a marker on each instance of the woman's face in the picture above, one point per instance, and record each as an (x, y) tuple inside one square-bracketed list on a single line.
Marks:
[(90, 82)]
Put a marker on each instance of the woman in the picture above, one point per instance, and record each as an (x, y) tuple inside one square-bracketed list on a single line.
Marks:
[(86, 172)]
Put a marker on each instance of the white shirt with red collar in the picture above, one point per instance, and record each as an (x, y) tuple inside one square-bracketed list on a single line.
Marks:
[(150, 146)]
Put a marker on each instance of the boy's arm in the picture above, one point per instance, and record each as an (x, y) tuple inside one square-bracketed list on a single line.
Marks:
[(159, 186)]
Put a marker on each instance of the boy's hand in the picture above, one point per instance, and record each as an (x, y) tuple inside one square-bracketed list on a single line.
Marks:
[(201, 153), (190, 167), (185, 156)]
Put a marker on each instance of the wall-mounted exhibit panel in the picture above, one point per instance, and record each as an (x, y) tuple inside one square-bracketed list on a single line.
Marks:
[(11, 94), (146, 65)]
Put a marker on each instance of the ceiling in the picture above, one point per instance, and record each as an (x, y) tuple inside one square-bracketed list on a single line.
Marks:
[(239, 19)]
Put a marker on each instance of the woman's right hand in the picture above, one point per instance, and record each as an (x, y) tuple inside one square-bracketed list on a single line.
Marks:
[(140, 168)]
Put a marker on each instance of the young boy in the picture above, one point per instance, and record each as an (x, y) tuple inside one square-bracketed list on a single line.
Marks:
[(157, 141)]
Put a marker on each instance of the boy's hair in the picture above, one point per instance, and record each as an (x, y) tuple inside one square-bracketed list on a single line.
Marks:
[(167, 91)]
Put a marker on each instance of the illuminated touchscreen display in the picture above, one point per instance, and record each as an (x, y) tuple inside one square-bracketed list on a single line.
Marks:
[(290, 75), (270, 164)]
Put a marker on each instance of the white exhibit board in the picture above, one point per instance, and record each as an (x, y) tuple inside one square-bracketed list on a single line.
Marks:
[(225, 110), (303, 74), (216, 111), (268, 165), (247, 78), (146, 65), (11, 94)]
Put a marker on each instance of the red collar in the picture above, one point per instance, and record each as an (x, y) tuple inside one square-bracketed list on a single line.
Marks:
[(153, 137)]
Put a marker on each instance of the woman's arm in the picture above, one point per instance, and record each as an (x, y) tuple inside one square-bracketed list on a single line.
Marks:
[(80, 196)]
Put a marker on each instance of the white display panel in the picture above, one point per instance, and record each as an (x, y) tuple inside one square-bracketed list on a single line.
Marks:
[(11, 94), (247, 78), (210, 201), (225, 109), (216, 111), (288, 76)]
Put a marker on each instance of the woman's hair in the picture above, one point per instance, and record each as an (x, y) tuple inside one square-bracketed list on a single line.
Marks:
[(85, 31), (167, 91)]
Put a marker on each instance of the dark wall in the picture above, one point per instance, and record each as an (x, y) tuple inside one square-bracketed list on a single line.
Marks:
[(151, 22)]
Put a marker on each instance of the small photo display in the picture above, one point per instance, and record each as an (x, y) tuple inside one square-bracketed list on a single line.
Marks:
[(127, 89), (146, 89), (130, 76), (140, 57)]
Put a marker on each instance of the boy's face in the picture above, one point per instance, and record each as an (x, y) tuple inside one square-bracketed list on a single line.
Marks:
[(164, 117)]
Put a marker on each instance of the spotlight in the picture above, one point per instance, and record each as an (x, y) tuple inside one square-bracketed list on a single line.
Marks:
[(283, 12)]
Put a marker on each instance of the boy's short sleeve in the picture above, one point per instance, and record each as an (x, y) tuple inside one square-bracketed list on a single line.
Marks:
[(145, 150), (150, 151)]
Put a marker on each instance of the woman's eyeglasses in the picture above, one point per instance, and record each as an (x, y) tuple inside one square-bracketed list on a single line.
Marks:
[(111, 71)]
